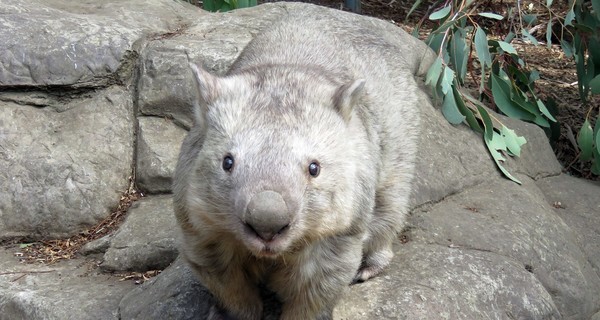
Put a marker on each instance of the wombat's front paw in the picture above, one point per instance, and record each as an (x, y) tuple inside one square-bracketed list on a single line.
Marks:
[(217, 313), (373, 264)]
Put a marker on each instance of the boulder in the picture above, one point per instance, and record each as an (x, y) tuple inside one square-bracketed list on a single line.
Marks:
[(147, 238)]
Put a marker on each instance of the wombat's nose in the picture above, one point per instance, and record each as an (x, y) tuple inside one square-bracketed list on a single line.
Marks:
[(267, 214)]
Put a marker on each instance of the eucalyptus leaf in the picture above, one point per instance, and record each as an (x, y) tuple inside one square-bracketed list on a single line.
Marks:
[(585, 141), (544, 110), (440, 13), (494, 145), (481, 47), (567, 48), (434, 73), (548, 3), (512, 140), (595, 85), (414, 6), (491, 15), (502, 99), (447, 79), (529, 36), (597, 142), (569, 18), (450, 109), (459, 54), (507, 47), (549, 34), (530, 19), (488, 125), (469, 116)]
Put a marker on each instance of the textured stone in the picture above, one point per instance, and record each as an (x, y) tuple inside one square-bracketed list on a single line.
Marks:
[(65, 169), (147, 238), (577, 202), (157, 151), (518, 223), (438, 282), (59, 42), (64, 290)]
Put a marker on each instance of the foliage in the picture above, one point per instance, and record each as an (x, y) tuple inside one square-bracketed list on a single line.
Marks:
[(504, 78), (227, 5)]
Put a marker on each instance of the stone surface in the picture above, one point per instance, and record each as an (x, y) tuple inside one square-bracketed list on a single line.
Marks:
[(65, 168), (157, 152), (431, 281), (84, 44), (65, 290), (576, 202), (147, 238)]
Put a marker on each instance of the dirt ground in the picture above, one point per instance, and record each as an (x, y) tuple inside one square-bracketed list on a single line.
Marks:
[(558, 75)]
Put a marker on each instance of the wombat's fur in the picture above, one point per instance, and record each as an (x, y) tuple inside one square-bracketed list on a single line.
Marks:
[(297, 172)]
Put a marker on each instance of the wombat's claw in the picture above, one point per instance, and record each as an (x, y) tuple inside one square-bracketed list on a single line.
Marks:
[(365, 273)]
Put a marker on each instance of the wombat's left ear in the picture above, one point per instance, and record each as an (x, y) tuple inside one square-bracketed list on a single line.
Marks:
[(347, 96)]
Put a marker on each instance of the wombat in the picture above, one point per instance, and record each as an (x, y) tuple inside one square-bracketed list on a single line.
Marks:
[(297, 172)]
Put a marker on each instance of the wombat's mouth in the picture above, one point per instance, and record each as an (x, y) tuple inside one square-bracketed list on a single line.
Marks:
[(270, 247)]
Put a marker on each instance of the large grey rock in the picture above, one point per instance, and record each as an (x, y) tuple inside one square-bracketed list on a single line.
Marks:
[(577, 202), (64, 169), (65, 290), (431, 281), (175, 294), (61, 42), (516, 222), (157, 152), (147, 240)]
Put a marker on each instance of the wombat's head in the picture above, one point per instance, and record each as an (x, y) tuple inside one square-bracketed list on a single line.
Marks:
[(282, 159)]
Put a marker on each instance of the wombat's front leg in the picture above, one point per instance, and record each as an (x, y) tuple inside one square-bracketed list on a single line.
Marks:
[(311, 285), (238, 298), (389, 216)]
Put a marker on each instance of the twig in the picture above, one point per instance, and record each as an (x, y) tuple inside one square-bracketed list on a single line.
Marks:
[(25, 272)]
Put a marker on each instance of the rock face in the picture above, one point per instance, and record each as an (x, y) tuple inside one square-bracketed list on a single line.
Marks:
[(92, 93)]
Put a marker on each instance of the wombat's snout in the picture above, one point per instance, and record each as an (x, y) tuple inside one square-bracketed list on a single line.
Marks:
[(267, 214)]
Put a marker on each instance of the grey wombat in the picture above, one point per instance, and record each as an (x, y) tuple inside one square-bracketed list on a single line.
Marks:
[(297, 172)]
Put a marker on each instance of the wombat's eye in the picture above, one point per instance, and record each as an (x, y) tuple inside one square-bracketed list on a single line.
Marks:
[(227, 163), (314, 168)]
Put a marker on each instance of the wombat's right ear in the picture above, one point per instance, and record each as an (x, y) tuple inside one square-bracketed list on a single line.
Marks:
[(208, 85)]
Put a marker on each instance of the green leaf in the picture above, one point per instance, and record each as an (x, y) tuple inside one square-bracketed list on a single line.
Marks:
[(488, 125), (459, 54), (567, 48), (569, 18), (440, 13), (529, 36), (512, 140), (434, 73), (548, 3), (481, 47), (507, 47), (495, 145), (502, 99), (585, 141), (544, 110), (549, 34), (530, 19), (470, 117), (414, 6), (446, 81), (595, 85), (450, 109), (597, 142), (491, 15), (25, 245)]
